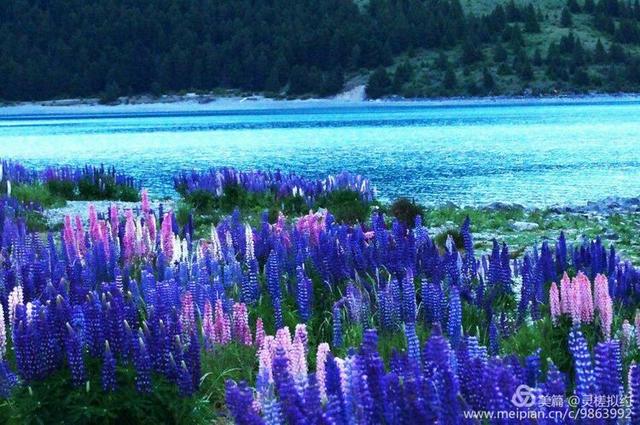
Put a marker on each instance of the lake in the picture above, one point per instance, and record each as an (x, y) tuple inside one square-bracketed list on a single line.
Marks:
[(535, 154)]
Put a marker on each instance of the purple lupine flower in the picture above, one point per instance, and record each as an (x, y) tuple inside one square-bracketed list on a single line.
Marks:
[(273, 284), (634, 392), (583, 366), (469, 266), (409, 309), (8, 380), (303, 294), (142, 363), (440, 373), (608, 367), (185, 382), (494, 338), (292, 403), (454, 325), (239, 401), (413, 343), (337, 326), (75, 357), (108, 369)]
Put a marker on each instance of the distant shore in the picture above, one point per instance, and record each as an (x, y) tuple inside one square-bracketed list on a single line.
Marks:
[(202, 103)]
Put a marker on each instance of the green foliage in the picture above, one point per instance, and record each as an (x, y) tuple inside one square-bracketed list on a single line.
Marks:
[(406, 211), (379, 84), (38, 193), (55, 401), (345, 205)]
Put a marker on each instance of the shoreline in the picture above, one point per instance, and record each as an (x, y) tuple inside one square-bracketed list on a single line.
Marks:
[(209, 103)]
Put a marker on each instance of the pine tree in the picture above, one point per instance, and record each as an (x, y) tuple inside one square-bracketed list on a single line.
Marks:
[(537, 57), (379, 84), (565, 19), (487, 80), (589, 6), (499, 53), (573, 6), (450, 81), (599, 55), (531, 24)]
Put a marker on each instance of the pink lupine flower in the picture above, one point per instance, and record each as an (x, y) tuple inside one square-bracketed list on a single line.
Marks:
[(80, 237), (187, 314), (3, 335), (167, 236), (574, 301), (144, 201), (302, 335), (94, 226), (554, 302), (265, 362), (566, 296), (298, 363), (241, 331), (114, 220), (260, 334), (283, 338), (150, 220), (208, 327), (321, 374), (104, 231), (69, 237), (603, 304), (585, 297), (129, 236), (626, 332), (221, 325)]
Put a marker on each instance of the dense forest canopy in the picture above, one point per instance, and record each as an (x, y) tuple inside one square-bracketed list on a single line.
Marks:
[(72, 48)]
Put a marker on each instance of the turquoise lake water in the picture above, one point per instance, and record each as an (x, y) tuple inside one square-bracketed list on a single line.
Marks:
[(533, 154)]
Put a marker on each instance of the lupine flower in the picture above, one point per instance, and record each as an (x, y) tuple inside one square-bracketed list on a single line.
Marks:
[(454, 326), (221, 325), (321, 360), (585, 378), (142, 364), (260, 334), (3, 335), (584, 297), (603, 304), (554, 302), (108, 370), (337, 326), (273, 284), (75, 356), (241, 331), (634, 392), (566, 294)]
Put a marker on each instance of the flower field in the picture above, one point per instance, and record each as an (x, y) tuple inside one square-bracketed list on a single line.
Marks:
[(306, 318)]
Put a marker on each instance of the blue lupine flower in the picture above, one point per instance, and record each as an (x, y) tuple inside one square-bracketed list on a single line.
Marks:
[(584, 374), (337, 326), (273, 284), (75, 357), (108, 370), (454, 326)]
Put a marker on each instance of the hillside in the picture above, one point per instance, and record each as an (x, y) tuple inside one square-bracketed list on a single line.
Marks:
[(594, 50), (414, 48)]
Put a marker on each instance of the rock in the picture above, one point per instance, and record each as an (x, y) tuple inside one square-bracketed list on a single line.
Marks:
[(524, 225), (503, 206), (612, 236)]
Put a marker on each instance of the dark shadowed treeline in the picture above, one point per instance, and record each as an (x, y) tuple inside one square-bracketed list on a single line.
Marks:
[(58, 48)]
